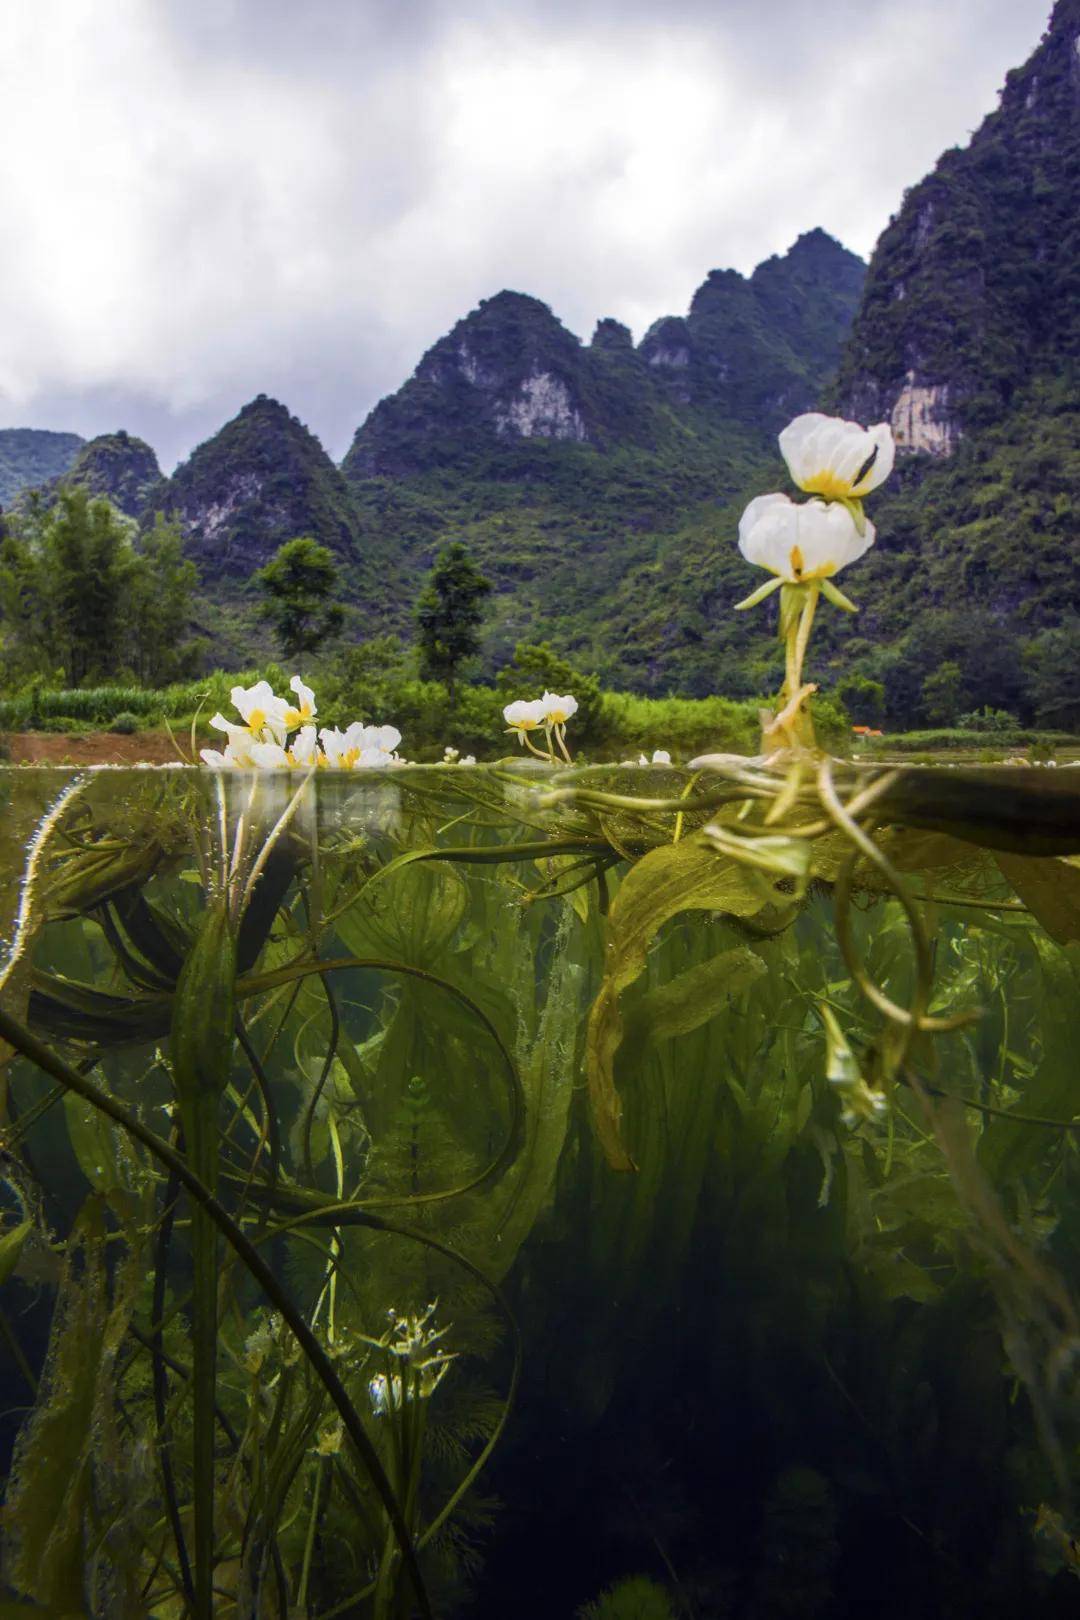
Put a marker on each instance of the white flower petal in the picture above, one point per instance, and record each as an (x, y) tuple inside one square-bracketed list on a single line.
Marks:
[(801, 542), (557, 710), (826, 454)]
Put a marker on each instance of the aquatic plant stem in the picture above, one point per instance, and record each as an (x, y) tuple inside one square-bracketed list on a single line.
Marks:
[(38, 1052), (201, 1144), (161, 1391)]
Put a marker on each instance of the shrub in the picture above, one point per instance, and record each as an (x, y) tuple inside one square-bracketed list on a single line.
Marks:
[(988, 719), (125, 723)]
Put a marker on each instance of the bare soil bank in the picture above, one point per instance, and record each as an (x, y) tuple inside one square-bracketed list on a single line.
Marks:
[(87, 748)]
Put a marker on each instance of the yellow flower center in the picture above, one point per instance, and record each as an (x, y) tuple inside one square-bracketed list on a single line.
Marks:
[(256, 720), (292, 717), (828, 484)]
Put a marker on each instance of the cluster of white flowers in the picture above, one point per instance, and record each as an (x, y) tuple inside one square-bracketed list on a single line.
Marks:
[(279, 735), (803, 543), (549, 714)]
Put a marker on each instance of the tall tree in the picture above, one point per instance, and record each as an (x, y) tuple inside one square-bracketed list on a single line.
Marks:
[(87, 557), (157, 606), (300, 584), (79, 603), (449, 614)]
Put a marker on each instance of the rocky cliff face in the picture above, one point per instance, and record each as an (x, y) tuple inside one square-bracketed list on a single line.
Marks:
[(753, 351), (973, 292), (509, 371), (261, 480), (30, 457)]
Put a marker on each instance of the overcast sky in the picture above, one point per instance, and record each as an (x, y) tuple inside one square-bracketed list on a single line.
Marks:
[(202, 200)]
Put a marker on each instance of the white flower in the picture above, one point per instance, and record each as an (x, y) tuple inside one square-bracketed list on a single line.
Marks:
[(450, 755), (305, 747), (661, 756), (373, 759), (521, 717), (304, 709), (216, 760), (801, 542), (238, 749), (557, 710), (339, 750), (837, 459), (385, 737), (470, 759), (264, 714), (269, 756)]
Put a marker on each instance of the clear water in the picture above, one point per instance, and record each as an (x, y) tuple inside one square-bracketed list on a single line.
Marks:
[(811, 1352)]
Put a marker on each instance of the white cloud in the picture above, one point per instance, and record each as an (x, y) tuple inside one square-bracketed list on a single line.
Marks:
[(210, 200)]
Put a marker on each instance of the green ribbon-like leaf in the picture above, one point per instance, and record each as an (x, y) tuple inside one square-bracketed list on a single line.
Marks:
[(674, 878)]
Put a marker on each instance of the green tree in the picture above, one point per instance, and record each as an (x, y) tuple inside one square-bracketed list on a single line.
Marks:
[(863, 698), (157, 607), (1053, 675), (86, 560), (537, 668), (449, 615), (300, 584), (942, 691)]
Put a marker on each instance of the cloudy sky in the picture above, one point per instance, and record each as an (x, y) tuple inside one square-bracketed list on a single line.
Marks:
[(201, 200)]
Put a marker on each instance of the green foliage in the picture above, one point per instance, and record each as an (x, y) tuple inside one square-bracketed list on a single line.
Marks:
[(537, 668), (637, 1598), (125, 723), (300, 584), (941, 693), (990, 720), (449, 613), (863, 699), (78, 597)]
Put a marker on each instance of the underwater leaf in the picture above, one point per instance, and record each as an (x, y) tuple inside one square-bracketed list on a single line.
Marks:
[(78, 1012), (666, 881), (409, 911), (693, 997), (1051, 891), (548, 1068), (11, 1247), (93, 1141), (1008, 1150), (50, 1491)]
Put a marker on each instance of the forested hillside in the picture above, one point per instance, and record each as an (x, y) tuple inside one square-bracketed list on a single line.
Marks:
[(599, 484)]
